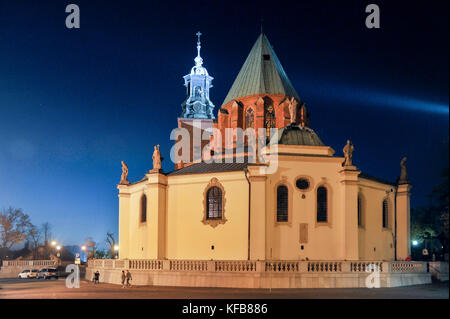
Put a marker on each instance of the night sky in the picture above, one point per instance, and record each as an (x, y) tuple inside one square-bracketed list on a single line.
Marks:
[(74, 103)]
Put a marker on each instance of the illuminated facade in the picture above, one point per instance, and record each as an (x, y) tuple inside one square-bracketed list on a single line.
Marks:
[(316, 206)]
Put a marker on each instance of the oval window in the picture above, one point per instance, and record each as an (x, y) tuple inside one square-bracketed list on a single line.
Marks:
[(302, 183)]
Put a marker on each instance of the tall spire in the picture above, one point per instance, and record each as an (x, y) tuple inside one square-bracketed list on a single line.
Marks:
[(198, 82), (261, 73)]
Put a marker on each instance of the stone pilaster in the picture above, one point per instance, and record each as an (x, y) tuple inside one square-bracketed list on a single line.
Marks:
[(124, 221), (403, 221), (156, 191), (257, 215), (349, 206)]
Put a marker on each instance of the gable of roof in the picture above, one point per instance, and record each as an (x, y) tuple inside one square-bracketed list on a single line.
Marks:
[(261, 73)]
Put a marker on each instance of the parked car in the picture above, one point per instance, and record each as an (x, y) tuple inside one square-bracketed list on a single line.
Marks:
[(33, 273), (47, 273), (25, 274)]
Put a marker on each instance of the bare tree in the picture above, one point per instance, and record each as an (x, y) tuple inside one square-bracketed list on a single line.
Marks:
[(14, 225), (112, 243), (46, 229), (34, 236)]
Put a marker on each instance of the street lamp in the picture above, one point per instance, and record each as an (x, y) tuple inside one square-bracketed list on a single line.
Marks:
[(53, 243), (116, 249), (415, 242)]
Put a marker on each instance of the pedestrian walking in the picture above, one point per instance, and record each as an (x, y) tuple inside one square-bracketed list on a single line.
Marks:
[(124, 277), (97, 277), (129, 278)]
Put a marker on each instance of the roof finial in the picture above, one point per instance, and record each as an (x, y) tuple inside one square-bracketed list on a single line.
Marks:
[(198, 59), (262, 21)]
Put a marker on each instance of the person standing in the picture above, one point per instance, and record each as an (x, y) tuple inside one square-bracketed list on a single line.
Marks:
[(129, 278), (97, 277), (123, 278)]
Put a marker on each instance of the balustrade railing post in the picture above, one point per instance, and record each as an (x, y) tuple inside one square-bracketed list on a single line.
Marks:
[(303, 266), (260, 266), (346, 266), (211, 266), (166, 264)]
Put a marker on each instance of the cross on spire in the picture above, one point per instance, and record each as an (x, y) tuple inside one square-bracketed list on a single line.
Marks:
[(198, 59)]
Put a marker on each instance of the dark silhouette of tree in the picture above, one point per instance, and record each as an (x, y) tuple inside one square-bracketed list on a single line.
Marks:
[(46, 230), (111, 242), (34, 237), (14, 226)]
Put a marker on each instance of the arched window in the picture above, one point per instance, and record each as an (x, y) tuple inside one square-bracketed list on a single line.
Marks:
[(385, 213), (360, 210), (249, 118), (322, 205), (282, 204), (143, 208), (214, 200)]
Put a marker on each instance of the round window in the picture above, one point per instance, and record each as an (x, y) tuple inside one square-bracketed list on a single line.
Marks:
[(302, 183)]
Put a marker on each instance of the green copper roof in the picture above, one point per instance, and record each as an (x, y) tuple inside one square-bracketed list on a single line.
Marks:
[(295, 135), (261, 73)]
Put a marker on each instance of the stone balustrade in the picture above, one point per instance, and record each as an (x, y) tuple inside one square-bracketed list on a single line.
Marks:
[(325, 266), (260, 274), (367, 266), (29, 263), (250, 266), (11, 268), (407, 267), (188, 265), (235, 266)]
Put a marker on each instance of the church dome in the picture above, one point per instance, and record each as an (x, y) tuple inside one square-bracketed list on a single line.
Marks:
[(297, 135)]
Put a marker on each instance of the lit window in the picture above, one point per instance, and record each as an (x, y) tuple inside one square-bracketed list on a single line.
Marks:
[(359, 210), (322, 205), (385, 213), (143, 208), (214, 208), (282, 204)]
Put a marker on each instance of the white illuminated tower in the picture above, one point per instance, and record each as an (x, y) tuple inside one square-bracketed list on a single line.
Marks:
[(197, 104)]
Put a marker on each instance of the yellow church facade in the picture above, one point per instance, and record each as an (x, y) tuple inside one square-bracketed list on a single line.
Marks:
[(165, 216), (316, 206)]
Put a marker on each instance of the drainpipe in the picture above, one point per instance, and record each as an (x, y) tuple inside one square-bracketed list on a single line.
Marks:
[(249, 207)]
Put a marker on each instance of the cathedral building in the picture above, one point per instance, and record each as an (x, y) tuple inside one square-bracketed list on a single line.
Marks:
[(315, 206)]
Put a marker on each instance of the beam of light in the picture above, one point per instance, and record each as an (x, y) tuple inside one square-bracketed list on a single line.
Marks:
[(364, 97)]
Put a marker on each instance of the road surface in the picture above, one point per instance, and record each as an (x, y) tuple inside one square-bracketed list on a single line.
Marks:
[(56, 289)]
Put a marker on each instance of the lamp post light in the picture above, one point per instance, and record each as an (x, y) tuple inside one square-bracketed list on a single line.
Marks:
[(58, 248), (53, 243), (116, 249), (84, 249)]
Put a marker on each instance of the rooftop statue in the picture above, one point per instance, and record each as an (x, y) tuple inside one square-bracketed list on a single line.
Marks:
[(293, 110), (123, 178), (156, 159), (404, 172), (348, 153)]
